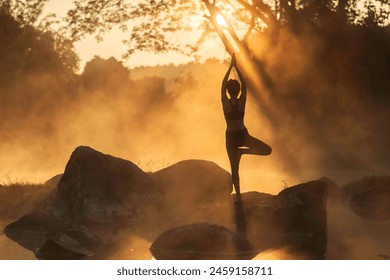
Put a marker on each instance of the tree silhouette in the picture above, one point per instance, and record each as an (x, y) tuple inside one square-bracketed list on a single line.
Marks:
[(105, 74), (36, 68), (154, 21)]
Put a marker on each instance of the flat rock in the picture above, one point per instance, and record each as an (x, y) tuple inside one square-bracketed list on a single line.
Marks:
[(35, 230), (32, 230), (202, 241), (372, 203), (62, 247)]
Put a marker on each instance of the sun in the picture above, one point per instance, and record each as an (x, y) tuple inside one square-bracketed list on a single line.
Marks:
[(221, 20)]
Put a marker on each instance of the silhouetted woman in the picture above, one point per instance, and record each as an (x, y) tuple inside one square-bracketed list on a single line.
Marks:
[(238, 140)]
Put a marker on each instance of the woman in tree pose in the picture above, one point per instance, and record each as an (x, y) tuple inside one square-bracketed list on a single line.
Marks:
[(238, 140)]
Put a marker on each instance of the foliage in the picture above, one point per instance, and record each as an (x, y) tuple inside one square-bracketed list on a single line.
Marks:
[(154, 22), (25, 12), (36, 69), (100, 74), (32, 38)]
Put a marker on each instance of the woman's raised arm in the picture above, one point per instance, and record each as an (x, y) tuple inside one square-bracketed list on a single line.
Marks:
[(224, 83), (243, 83)]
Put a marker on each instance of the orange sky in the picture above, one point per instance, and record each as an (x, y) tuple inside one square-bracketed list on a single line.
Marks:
[(112, 45)]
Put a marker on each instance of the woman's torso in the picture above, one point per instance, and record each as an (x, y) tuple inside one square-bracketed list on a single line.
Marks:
[(234, 116)]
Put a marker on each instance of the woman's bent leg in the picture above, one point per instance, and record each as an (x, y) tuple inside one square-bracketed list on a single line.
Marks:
[(255, 147)]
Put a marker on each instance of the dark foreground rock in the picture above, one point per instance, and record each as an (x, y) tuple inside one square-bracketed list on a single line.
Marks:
[(101, 188), (62, 247), (51, 238), (294, 219), (202, 242), (53, 181)]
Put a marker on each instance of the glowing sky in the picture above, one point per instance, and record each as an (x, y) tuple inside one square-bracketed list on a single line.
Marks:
[(112, 45)]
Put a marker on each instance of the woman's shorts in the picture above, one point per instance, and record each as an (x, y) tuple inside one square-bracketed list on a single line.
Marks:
[(236, 138)]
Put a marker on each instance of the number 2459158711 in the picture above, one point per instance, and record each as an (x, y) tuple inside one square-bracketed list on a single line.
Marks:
[(241, 270)]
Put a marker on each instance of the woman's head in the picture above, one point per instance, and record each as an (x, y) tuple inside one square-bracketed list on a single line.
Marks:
[(233, 87)]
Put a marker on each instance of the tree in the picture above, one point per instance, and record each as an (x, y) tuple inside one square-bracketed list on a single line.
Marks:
[(36, 67), (154, 21), (105, 74), (22, 24)]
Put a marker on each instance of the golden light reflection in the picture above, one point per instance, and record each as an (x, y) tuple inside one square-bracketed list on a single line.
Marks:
[(279, 254)]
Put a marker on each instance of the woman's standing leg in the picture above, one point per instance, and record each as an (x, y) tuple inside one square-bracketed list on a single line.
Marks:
[(234, 158)]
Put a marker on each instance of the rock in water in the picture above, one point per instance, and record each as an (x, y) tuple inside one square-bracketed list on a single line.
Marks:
[(32, 230), (192, 183), (101, 188), (51, 238), (62, 247), (369, 197), (202, 241), (295, 218), (373, 203)]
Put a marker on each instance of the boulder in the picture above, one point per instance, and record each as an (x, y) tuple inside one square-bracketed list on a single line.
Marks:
[(369, 197), (295, 218), (372, 203), (202, 241), (53, 181), (100, 188), (334, 191), (191, 184)]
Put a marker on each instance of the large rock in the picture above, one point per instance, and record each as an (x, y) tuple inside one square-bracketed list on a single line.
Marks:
[(101, 188), (295, 219), (53, 181), (202, 241), (191, 184)]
